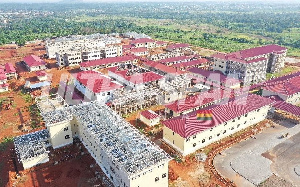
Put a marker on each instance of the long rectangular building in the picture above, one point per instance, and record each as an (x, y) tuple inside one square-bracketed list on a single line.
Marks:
[(202, 127), (251, 65)]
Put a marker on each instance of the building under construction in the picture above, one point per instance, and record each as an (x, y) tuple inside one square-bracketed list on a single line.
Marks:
[(126, 156)]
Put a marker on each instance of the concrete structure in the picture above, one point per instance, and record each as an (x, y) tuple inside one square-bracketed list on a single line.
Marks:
[(135, 35), (95, 86), (69, 58), (34, 63), (175, 60), (143, 42), (189, 133), (213, 78), (31, 148), (107, 62), (251, 65), (123, 153), (63, 45), (142, 51), (149, 117), (198, 63), (160, 56), (178, 47)]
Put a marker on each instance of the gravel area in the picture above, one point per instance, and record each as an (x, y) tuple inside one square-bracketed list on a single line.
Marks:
[(275, 181)]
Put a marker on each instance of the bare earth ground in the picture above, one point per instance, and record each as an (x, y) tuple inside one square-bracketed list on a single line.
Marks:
[(76, 171)]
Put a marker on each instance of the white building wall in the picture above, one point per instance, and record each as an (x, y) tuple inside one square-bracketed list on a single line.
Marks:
[(60, 134), (189, 145)]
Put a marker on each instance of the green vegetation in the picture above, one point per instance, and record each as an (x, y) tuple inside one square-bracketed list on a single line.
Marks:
[(286, 70), (224, 27), (4, 143), (35, 115)]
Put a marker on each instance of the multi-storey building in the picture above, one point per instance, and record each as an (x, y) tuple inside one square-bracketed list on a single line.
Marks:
[(251, 65), (126, 156), (202, 127), (64, 44), (107, 62), (70, 58), (144, 42)]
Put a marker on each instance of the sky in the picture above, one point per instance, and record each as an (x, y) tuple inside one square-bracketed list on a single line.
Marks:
[(53, 1)]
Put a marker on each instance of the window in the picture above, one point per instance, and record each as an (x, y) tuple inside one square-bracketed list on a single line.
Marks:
[(233, 120), (210, 138), (224, 132), (218, 134), (67, 137), (164, 175), (246, 115), (156, 179), (173, 133), (66, 129), (239, 118), (194, 136), (238, 126), (194, 145), (203, 140)]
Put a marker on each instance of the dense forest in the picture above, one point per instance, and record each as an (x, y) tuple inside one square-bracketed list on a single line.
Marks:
[(220, 26)]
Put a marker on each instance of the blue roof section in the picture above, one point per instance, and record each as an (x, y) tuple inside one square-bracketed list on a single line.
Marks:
[(40, 84)]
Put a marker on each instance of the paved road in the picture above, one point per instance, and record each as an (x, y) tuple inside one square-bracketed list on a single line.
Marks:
[(244, 164), (286, 161)]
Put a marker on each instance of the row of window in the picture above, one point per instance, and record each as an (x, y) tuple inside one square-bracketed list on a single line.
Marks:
[(163, 176)]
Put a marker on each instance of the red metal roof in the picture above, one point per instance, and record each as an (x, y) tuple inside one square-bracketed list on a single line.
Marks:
[(41, 73), (191, 63), (243, 55), (9, 68), (96, 82), (194, 101), (138, 50), (177, 46), (175, 59), (106, 61), (3, 76), (282, 105), (33, 61), (215, 76), (164, 68), (4, 85), (188, 125), (142, 40), (136, 78), (149, 114), (286, 85)]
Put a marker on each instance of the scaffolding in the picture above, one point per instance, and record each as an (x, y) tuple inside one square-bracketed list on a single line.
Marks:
[(127, 148), (31, 146)]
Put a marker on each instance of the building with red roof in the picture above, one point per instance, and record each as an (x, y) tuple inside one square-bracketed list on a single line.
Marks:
[(144, 42), (141, 51), (202, 63), (178, 47), (149, 117), (286, 87), (10, 71), (251, 65), (41, 75), (107, 62), (174, 60), (188, 133), (161, 68), (96, 86), (134, 76), (161, 44), (34, 63), (3, 82), (214, 78)]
